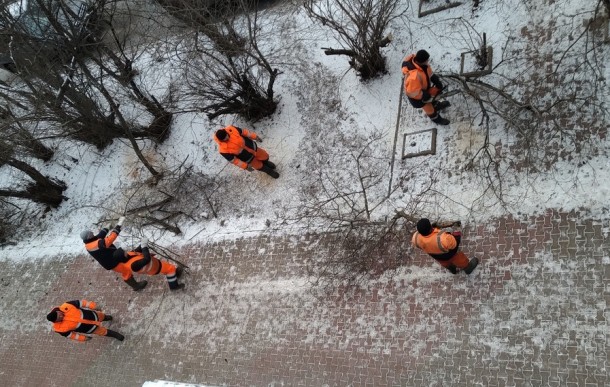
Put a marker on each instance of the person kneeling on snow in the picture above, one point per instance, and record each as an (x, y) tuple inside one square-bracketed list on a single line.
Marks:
[(141, 261)]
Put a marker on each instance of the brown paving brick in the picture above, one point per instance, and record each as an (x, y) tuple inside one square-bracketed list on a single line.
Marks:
[(523, 318)]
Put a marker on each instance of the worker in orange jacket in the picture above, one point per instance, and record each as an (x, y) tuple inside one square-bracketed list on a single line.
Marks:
[(239, 146), (443, 246), (76, 319), (101, 247), (141, 261), (422, 86)]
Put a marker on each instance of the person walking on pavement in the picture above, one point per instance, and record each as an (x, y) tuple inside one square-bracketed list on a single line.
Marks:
[(422, 86), (101, 248), (443, 246), (77, 319), (239, 146), (141, 261)]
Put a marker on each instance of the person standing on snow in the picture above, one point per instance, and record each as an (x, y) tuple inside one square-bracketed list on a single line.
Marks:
[(418, 87), (239, 146), (76, 319), (101, 248), (141, 261), (443, 246)]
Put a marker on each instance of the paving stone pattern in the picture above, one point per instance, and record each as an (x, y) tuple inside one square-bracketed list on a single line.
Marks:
[(533, 314)]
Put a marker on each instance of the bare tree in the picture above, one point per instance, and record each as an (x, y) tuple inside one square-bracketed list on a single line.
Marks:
[(50, 88), (42, 190), (19, 136), (228, 68), (353, 204), (210, 18), (73, 85), (164, 206), (551, 95), (360, 27)]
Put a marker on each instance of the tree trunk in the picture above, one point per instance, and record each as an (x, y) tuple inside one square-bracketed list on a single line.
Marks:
[(35, 194), (115, 109), (35, 147), (41, 180), (44, 190), (158, 130), (7, 193), (333, 51)]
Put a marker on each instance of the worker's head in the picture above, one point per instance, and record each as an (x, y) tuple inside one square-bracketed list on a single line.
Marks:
[(119, 254), (86, 235), (222, 135), (55, 316), (422, 56), (424, 227)]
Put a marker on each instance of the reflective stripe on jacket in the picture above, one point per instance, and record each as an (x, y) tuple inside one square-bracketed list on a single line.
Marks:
[(78, 318), (439, 244), (143, 263), (239, 148)]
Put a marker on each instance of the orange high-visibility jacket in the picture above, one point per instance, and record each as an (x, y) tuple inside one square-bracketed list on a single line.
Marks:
[(79, 316), (439, 244), (416, 79), (101, 248), (240, 147)]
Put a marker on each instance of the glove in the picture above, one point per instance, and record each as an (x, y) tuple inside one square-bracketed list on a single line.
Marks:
[(121, 220), (426, 97), (249, 168), (436, 81), (259, 139), (144, 242)]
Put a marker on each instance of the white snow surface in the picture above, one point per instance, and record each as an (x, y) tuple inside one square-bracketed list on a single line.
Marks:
[(165, 383), (97, 181)]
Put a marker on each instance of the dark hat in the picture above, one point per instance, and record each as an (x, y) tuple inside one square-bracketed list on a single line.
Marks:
[(118, 254), (86, 235), (222, 134), (422, 56), (52, 316), (424, 227)]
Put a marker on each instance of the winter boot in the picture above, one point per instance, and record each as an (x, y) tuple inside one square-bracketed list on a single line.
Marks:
[(174, 285), (471, 265), (269, 171), (440, 105), (269, 164), (107, 318), (452, 269), (115, 335), (135, 285), (440, 120)]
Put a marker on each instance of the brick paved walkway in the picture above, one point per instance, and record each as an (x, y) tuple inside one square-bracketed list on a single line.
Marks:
[(534, 313)]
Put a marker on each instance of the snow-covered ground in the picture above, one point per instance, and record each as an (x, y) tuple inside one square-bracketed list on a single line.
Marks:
[(323, 104)]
